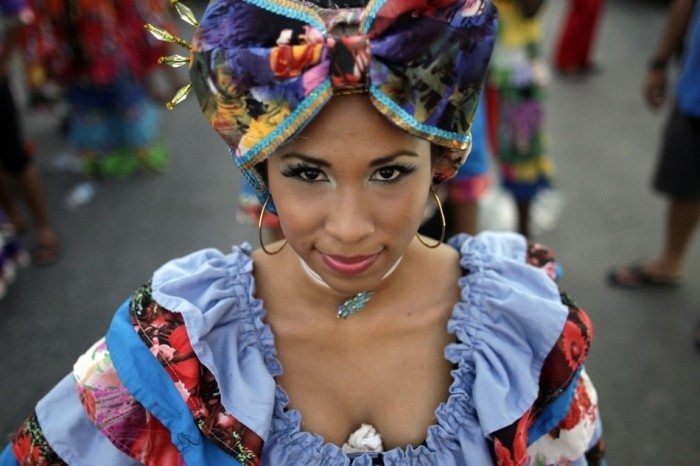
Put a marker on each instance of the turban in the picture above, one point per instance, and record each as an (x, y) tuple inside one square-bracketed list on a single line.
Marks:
[(262, 69)]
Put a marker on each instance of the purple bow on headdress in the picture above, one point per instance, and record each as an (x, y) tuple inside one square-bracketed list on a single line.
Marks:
[(263, 68)]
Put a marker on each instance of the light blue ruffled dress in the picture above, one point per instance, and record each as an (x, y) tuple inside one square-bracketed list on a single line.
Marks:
[(508, 320)]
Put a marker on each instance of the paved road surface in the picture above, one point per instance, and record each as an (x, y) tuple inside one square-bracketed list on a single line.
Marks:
[(603, 141)]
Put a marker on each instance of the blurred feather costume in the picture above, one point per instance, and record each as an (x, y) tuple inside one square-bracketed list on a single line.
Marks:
[(100, 54)]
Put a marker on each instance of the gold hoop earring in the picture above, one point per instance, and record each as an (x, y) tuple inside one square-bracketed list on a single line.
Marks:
[(260, 236), (442, 220)]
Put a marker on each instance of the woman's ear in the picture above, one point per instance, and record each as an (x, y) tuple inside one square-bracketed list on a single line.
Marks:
[(435, 155)]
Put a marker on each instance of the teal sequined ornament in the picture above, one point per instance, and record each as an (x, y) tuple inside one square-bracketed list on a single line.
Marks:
[(354, 305)]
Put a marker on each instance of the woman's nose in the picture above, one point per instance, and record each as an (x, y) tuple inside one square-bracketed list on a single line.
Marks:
[(349, 218)]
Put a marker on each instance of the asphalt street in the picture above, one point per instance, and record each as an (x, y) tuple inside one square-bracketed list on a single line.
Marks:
[(603, 141)]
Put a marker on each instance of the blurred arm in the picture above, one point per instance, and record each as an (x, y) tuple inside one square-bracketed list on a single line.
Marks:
[(656, 84), (8, 44)]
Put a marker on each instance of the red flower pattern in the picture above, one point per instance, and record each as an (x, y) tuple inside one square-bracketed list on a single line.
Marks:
[(289, 61), (159, 326)]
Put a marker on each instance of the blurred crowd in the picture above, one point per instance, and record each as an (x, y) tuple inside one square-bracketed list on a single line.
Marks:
[(98, 64)]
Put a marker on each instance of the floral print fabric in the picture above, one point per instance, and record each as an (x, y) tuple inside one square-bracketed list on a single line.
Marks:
[(263, 68)]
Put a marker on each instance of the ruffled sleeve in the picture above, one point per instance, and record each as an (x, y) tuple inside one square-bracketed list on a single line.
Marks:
[(213, 293), (510, 318)]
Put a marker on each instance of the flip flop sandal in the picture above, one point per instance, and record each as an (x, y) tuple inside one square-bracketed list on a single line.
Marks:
[(635, 277)]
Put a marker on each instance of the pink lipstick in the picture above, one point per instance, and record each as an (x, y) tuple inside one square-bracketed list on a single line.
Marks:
[(349, 265)]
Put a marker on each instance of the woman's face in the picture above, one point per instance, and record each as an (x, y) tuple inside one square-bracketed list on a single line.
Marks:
[(350, 193)]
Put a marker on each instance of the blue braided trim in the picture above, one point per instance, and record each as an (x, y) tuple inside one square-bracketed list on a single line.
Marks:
[(412, 122), (372, 10), (290, 10), (308, 103)]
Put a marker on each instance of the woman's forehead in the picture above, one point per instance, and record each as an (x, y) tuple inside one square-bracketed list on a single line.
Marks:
[(352, 120)]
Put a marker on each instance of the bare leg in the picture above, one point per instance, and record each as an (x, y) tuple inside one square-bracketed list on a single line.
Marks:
[(523, 217), (465, 217), (667, 267), (7, 201), (682, 219), (48, 243), (30, 183)]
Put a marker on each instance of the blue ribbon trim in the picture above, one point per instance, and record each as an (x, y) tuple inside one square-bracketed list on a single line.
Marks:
[(299, 13), (145, 378), (554, 412), (291, 120), (412, 122)]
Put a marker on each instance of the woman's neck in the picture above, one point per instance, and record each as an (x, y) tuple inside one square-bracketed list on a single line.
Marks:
[(354, 303)]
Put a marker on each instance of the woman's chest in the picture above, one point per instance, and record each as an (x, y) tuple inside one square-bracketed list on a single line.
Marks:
[(394, 383)]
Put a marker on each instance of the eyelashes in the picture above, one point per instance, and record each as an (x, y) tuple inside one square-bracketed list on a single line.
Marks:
[(308, 173), (392, 173), (313, 174)]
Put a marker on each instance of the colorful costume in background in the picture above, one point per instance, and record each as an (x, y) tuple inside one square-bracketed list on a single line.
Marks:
[(187, 371), (102, 55), (575, 43), (12, 254), (472, 179), (515, 95)]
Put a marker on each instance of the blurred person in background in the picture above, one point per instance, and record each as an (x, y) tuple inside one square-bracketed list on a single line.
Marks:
[(677, 172), (575, 43), (515, 105), (104, 59), (17, 169), (468, 187)]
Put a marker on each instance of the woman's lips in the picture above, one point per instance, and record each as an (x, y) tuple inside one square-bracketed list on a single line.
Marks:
[(349, 265)]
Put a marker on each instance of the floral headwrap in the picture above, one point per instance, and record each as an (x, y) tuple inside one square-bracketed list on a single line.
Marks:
[(262, 69)]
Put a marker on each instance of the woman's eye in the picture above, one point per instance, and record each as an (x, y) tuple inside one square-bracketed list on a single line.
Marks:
[(310, 174), (392, 173)]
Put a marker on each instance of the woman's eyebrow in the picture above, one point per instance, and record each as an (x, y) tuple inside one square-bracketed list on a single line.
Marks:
[(391, 157), (374, 163), (306, 158)]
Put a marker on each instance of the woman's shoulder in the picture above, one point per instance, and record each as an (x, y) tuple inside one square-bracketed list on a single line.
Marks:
[(522, 340), (507, 255), (192, 333), (509, 319), (193, 280), (509, 287)]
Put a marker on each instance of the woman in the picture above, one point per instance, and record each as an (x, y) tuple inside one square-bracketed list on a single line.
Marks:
[(448, 355)]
